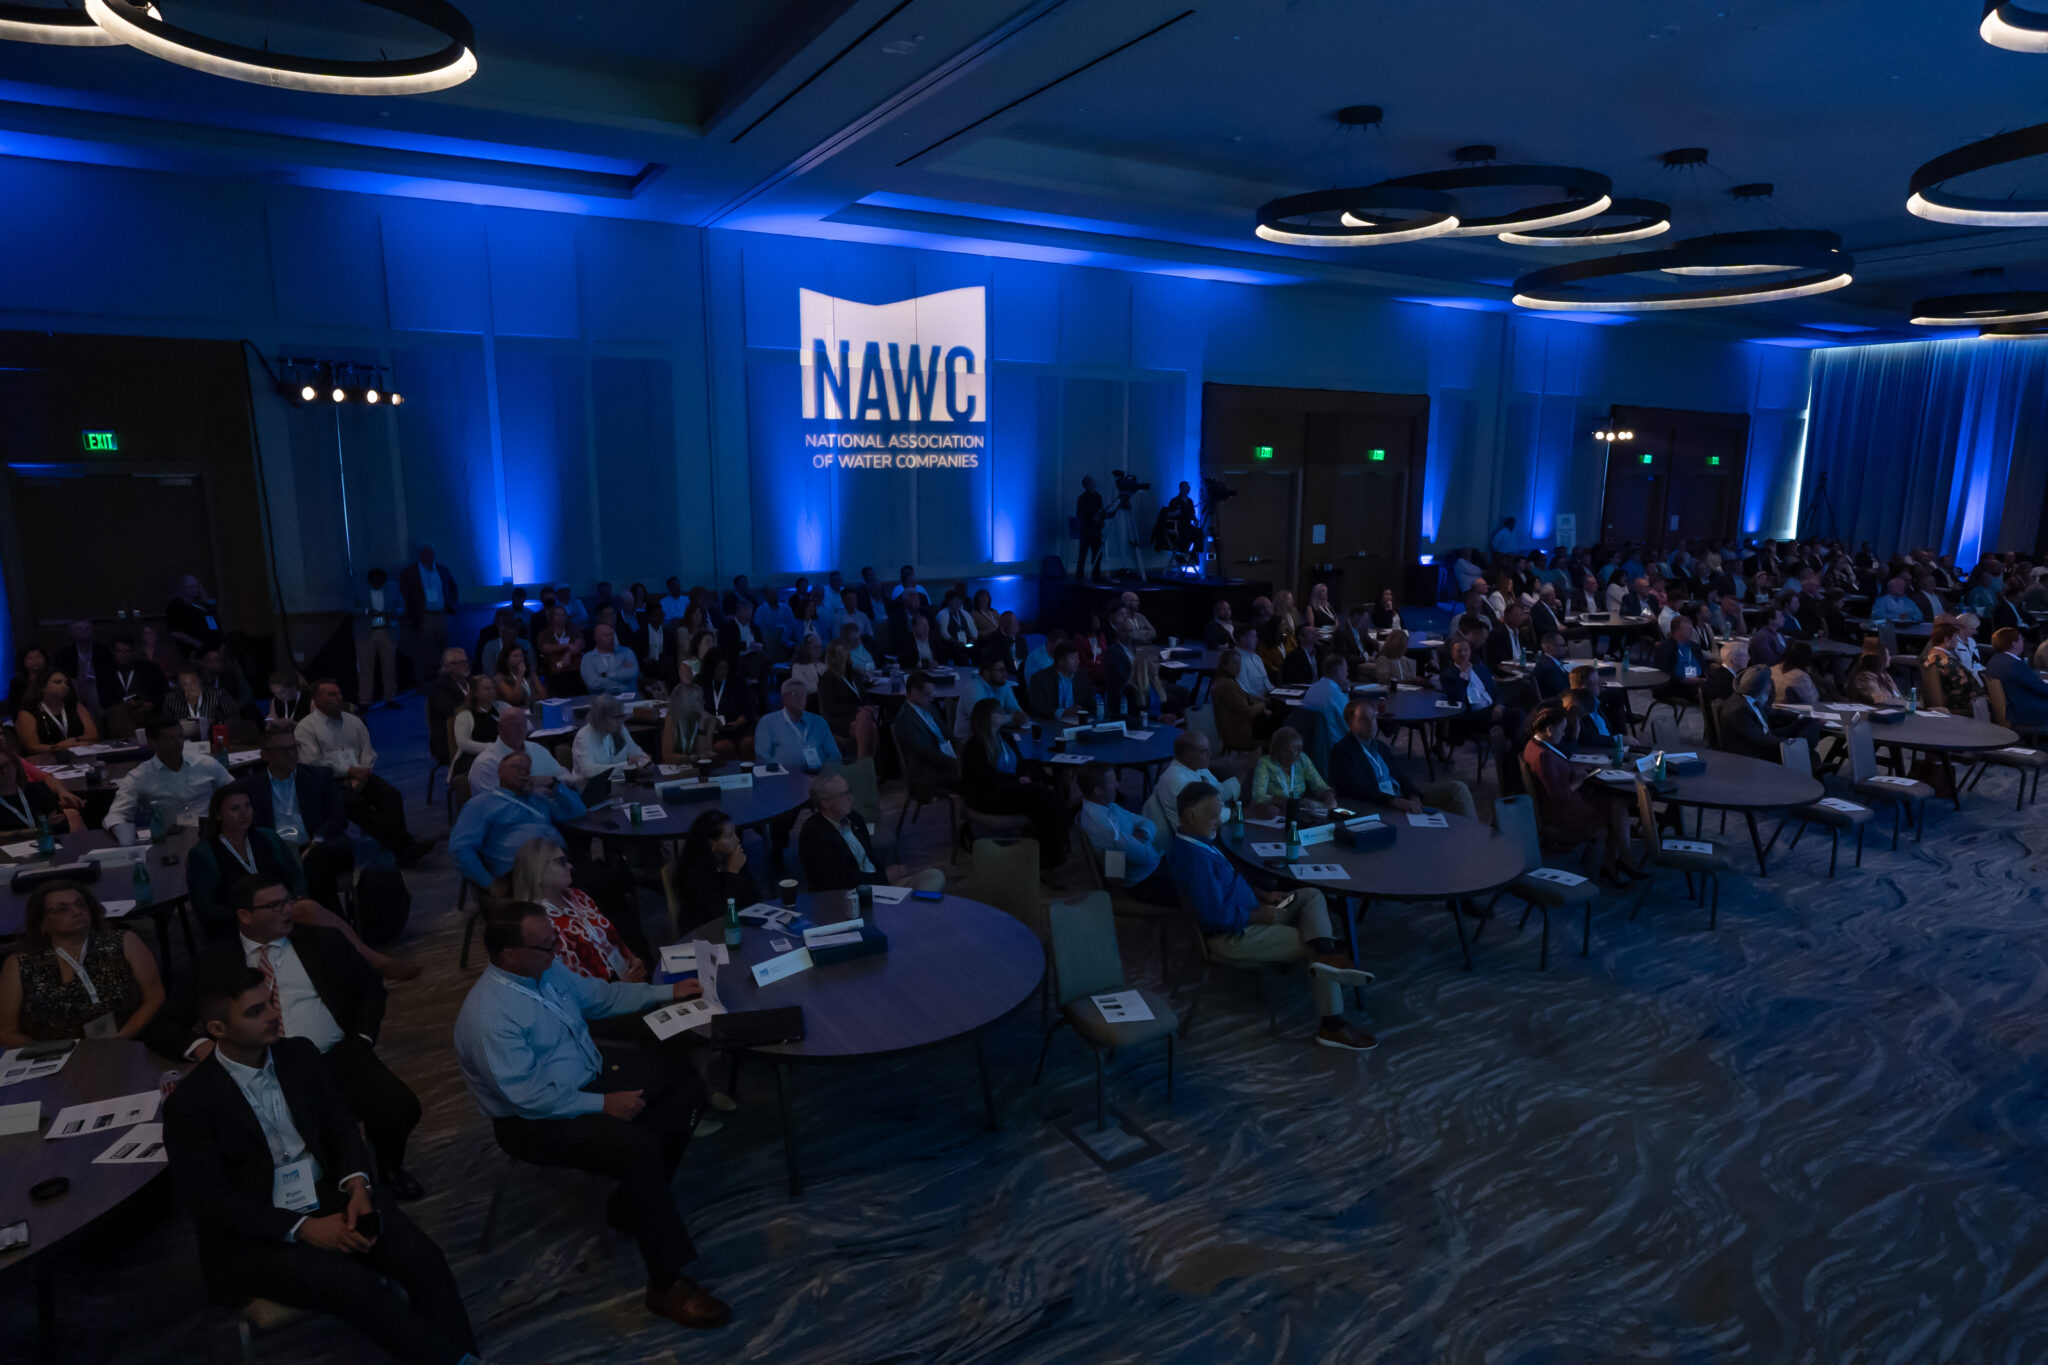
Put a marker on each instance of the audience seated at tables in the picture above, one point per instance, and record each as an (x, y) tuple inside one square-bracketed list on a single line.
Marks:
[(1748, 725), (1384, 614), (1007, 642), (1677, 656), (990, 683), (837, 849), (289, 699), (992, 780), (332, 738), (1548, 672), (1895, 606), (74, 975), (1241, 719), (1959, 688), (521, 807), (1353, 638), (1870, 677), (474, 728), (1470, 684), (447, 693), (25, 803), (1040, 657), (854, 723), (1577, 811), (1094, 642), (130, 680), (686, 732), (956, 624), (1284, 773), (561, 653), (603, 747), (302, 806), (217, 673), (52, 720), (928, 753), (506, 631), (1240, 923), (196, 706), (1109, 828), (329, 996), (1190, 763), (609, 668), (173, 783), (514, 725), (1061, 688), (1392, 665), (806, 664), (1363, 768), (794, 737), (526, 1054), (1327, 696), (1506, 648), (2026, 695), (85, 663), (710, 870), (267, 1159), (1219, 633), (1792, 677), (592, 945), (730, 701), (193, 618), (916, 648)]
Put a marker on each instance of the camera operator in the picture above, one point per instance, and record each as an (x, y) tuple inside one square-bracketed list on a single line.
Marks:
[(1088, 519)]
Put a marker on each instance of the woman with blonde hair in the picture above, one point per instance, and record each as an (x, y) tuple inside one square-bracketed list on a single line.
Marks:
[(855, 724), (1392, 664)]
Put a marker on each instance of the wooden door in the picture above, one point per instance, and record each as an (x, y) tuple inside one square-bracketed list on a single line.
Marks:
[(1635, 495), (1368, 515), (1257, 526)]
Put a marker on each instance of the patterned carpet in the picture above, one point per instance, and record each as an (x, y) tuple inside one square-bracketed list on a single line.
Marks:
[(1816, 1134)]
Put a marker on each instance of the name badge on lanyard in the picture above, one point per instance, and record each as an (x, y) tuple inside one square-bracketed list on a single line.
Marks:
[(104, 1026), (812, 759), (291, 1186)]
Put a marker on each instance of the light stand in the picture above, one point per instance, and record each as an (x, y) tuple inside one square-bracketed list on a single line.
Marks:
[(1826, 504)]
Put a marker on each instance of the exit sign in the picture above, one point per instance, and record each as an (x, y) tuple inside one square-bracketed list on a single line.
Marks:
[(1379, 454), (1713, 459), (1647, 458), (100, 440), (1262, 452)]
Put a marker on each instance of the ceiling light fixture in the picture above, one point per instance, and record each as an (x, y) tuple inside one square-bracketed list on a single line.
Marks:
[(141, 27), (59, 27), (2008, 26), (1586, 194), (2014, 331), (1927, 198), (1612, 434), (1376, 216), (1640, 218), (1975, 310), (1817, 256)]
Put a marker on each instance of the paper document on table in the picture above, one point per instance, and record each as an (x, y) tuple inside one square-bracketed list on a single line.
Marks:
[(832, 940), (685, 957), (102, 1116), (22, 850), (66, 771), (776, 968), (1123, 1007), (766, 912), (14, 1068), (1264, 849), (891, 895), (824, 931), (1555, 876), (734, 781), (25, 1117), (1275, 823), (1853, 706), (668, 769), (1615, 775), (116, 909), (670, 1020), (1137, 734), (1450, 706), (651, 812), (1429, 819), (245, 756), (1318, 872), (1074, 760), (142, 1145), (1595, 760)]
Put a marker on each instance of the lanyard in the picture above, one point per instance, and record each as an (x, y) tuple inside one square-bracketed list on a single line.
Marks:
[(802, 740), (575, 1021), (91, 993), (56, 719), (248, 863), (23, 810)]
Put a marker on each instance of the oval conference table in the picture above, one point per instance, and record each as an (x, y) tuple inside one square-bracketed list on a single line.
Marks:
[(774, 793), (101, 1069), (1733, 782), (1937, 734), (115, 884), (1120, 752), (1459, 862), (954, 966)]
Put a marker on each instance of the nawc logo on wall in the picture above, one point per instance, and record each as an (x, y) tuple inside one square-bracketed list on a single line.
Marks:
[(896, 385)]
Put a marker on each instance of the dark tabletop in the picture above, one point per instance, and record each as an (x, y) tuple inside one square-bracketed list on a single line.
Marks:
[(1460, 861), (1734, 782), (1633, 679), (166, 879), (1156, 747), (947, 684), (1187, 659), (1607, 625), (1938, 733), (953, 966), (769, 797), (98, 1070), (1416, 706)]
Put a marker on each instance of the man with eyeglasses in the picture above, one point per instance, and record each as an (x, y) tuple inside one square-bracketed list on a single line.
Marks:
[(302, 805), (523, 1043)]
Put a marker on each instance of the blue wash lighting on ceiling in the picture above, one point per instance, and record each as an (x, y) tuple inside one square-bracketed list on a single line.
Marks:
[(1845, 327), (1794, 343)]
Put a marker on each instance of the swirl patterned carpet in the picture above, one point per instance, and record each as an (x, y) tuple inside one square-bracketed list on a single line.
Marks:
[(1815, 1134)]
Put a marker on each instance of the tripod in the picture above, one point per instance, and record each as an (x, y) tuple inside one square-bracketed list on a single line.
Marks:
[(1827, 504), (1120, 509)]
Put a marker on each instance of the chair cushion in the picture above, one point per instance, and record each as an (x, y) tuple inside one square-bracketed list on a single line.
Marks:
[(1686, 860), (1833, 817), (1089, 1023), (1907, 790), (1540, 892), (2015, 757), (267, 1315)]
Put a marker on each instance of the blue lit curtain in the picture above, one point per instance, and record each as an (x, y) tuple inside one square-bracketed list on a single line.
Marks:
[(1935, 443)]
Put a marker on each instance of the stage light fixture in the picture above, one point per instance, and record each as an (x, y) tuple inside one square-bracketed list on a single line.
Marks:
[(339, 395), (371, 395), (396, 399), (1640, 218), (308, 393), (141, 27)]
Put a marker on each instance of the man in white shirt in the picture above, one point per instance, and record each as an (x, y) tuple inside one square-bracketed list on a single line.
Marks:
[(1190, 764), (609, 668), (514, 723), (845, 609), (1110, 829), (1251, 671), (178, 783), (993, 681), (676, 602), (1327, 696), (329, 737)]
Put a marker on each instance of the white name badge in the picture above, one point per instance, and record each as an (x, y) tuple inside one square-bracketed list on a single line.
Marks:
[(291, 1186), (102, 1027), (811, 758), (1316, 834)]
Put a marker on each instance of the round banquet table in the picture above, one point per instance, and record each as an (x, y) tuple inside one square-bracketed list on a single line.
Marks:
[(771, 795), (101, 1069), (1939, 735), (1460, 862), (166, 885), (1119, 753), (954, 966), (948, 684), (1633, 679), (1191, 662), (1734, 782)]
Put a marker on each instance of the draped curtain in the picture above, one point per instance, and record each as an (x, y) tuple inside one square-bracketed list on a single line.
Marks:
[(1938, 443)]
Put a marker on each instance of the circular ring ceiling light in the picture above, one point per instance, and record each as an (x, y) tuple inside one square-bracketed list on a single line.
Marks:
[(1816, 256), (1374, 216), (1586, 195), (2014, 331), (140, 26), (1981, 310), (1640, 218), (1926, 197), (2008, 26), (59, 27)]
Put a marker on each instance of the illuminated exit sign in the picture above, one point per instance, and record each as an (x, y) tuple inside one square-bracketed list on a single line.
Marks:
[(1262, 452), (1713, 459), (1648, 458), (100, 440), (1379, 455)]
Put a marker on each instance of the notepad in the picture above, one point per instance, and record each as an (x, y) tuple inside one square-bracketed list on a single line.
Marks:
[(103, 1116), (1123, 1007), (142, 1145), (24, 850), (1686, 846), (1137, 734), (1266, 850), (14, 1068), (1429, 820), (891, 895), (1555, 876), (678, 958), (25, 1117)]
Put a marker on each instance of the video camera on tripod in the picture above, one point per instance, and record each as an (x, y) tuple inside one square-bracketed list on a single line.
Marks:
[(1127, 487)]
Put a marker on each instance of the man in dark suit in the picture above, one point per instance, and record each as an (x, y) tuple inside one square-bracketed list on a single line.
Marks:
[(130, 679), (1678, 657), (428, 590), (1546, 615), (1506, 646), (652, 645), (1007, 643), (917, 647), (837, 851), (1549, 670), (328, 996), (1063, 687), (268, 1162), (447, 694), (927, 752), (2026, 696), (302, 804), (85, 663), (1748, 725), (1362, 768), (2005, 612)]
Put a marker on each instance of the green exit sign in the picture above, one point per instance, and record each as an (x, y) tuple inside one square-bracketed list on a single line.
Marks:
[(1713, 459), (1648, 458), (1379, 454), (100, 440), (1262, 452)]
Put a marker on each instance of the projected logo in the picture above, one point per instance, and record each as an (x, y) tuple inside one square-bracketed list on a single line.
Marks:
[(896, 385)]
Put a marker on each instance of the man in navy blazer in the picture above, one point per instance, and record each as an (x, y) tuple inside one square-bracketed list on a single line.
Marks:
[(1549, 670), (1470, 683), (2026, 696), (302, 804), (1362, 768)]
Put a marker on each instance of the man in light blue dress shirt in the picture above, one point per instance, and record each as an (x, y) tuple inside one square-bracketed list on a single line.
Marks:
[(522, 1041), (992, 681), (610, 667), (1110, 828), (799, 740)]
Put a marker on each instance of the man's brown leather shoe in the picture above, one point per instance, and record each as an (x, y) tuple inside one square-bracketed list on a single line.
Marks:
[(687, 1304)]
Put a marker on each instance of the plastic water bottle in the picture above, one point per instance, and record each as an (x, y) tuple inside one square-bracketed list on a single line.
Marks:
[(46, 842), (1620, 751), (139, 884), (634, 815), (732, 923)]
